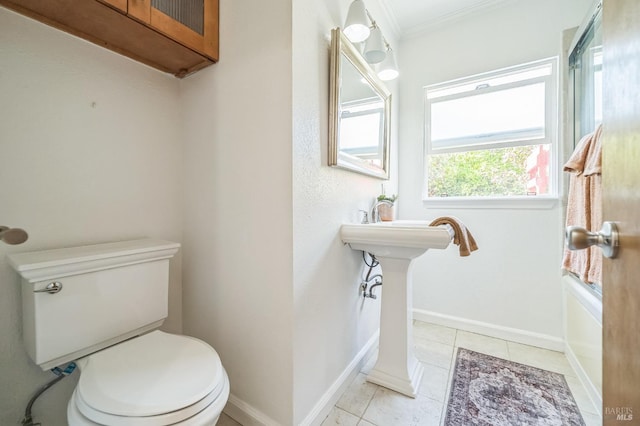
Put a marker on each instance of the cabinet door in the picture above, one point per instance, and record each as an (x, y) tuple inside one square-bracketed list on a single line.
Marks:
[(140, 10), (193, 23), (118, 4)]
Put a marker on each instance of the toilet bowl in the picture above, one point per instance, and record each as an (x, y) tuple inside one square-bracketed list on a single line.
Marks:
[(100, 306), (155, 379)]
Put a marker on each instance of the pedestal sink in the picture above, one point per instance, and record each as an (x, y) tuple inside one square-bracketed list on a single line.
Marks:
[(395, 245)]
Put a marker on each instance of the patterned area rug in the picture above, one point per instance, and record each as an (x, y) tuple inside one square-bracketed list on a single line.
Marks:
[(493, 391)]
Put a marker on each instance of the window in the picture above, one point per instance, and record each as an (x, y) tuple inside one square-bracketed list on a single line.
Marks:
[(493, 135), (362, 130), (585, 63)]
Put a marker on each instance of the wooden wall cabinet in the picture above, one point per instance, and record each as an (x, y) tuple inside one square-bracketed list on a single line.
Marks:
[(178, 37)]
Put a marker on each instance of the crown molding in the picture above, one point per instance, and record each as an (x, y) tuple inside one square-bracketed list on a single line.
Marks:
[(390, 18), (442, 20)]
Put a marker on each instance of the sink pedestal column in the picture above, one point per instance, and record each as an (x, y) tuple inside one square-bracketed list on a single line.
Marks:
[(397, 368)]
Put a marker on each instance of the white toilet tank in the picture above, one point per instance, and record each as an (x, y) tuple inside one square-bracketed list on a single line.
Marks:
[(109, 293)]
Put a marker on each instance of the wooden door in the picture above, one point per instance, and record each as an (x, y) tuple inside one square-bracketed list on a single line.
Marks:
[(621, 202)]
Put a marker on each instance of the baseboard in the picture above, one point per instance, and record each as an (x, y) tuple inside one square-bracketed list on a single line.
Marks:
[(324, 406), (493, 330), (247, 415), (592, 391)]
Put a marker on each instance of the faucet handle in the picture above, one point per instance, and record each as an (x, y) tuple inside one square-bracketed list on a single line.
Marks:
[(365, 216)]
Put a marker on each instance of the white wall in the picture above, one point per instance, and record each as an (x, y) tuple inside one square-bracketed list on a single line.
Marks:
[(513, 280), (332, 320), (238, 242), (267, 280), (90, 153)]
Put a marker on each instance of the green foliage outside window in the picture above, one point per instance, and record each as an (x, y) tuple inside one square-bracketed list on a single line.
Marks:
[(492, 172)]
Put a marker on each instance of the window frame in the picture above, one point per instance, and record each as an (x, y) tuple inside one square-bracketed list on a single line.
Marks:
[(551, 134), (378, 111)]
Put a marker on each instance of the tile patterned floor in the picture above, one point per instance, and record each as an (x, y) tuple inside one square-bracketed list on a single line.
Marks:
[(367, 404), (225, 420)]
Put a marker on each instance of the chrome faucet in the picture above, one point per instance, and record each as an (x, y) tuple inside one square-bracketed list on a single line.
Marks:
[(375, 215), (365, 216)]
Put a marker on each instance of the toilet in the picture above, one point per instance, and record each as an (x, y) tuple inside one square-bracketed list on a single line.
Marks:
[(100, 306)]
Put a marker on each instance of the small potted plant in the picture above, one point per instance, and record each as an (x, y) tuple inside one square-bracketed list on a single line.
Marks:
[(386, 207)]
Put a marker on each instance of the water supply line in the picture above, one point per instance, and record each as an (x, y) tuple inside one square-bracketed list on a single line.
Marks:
[(370, 281), (61, 374)]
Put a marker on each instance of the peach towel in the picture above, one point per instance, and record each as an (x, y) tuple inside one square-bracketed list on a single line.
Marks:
[(461, 235), (584, 206)]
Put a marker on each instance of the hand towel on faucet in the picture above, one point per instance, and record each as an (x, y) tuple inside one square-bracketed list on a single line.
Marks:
[(461, 235), (584, 207)]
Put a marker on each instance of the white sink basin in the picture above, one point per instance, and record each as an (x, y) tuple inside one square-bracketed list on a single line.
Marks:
[(404, 239), (395, 245)]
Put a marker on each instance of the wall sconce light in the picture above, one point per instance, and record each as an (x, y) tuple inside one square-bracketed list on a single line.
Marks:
[(374, 50), (388, 69), (361, 27), (356, 27)]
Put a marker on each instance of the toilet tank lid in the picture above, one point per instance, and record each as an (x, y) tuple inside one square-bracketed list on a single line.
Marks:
[(48, 264)]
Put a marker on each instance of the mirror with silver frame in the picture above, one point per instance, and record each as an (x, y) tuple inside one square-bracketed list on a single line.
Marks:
[(359, 112)]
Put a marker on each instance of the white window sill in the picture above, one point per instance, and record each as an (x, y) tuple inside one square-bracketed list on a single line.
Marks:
[(525, 202)]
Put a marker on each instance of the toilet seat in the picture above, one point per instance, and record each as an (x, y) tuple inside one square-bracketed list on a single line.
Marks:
[(155, 379)]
